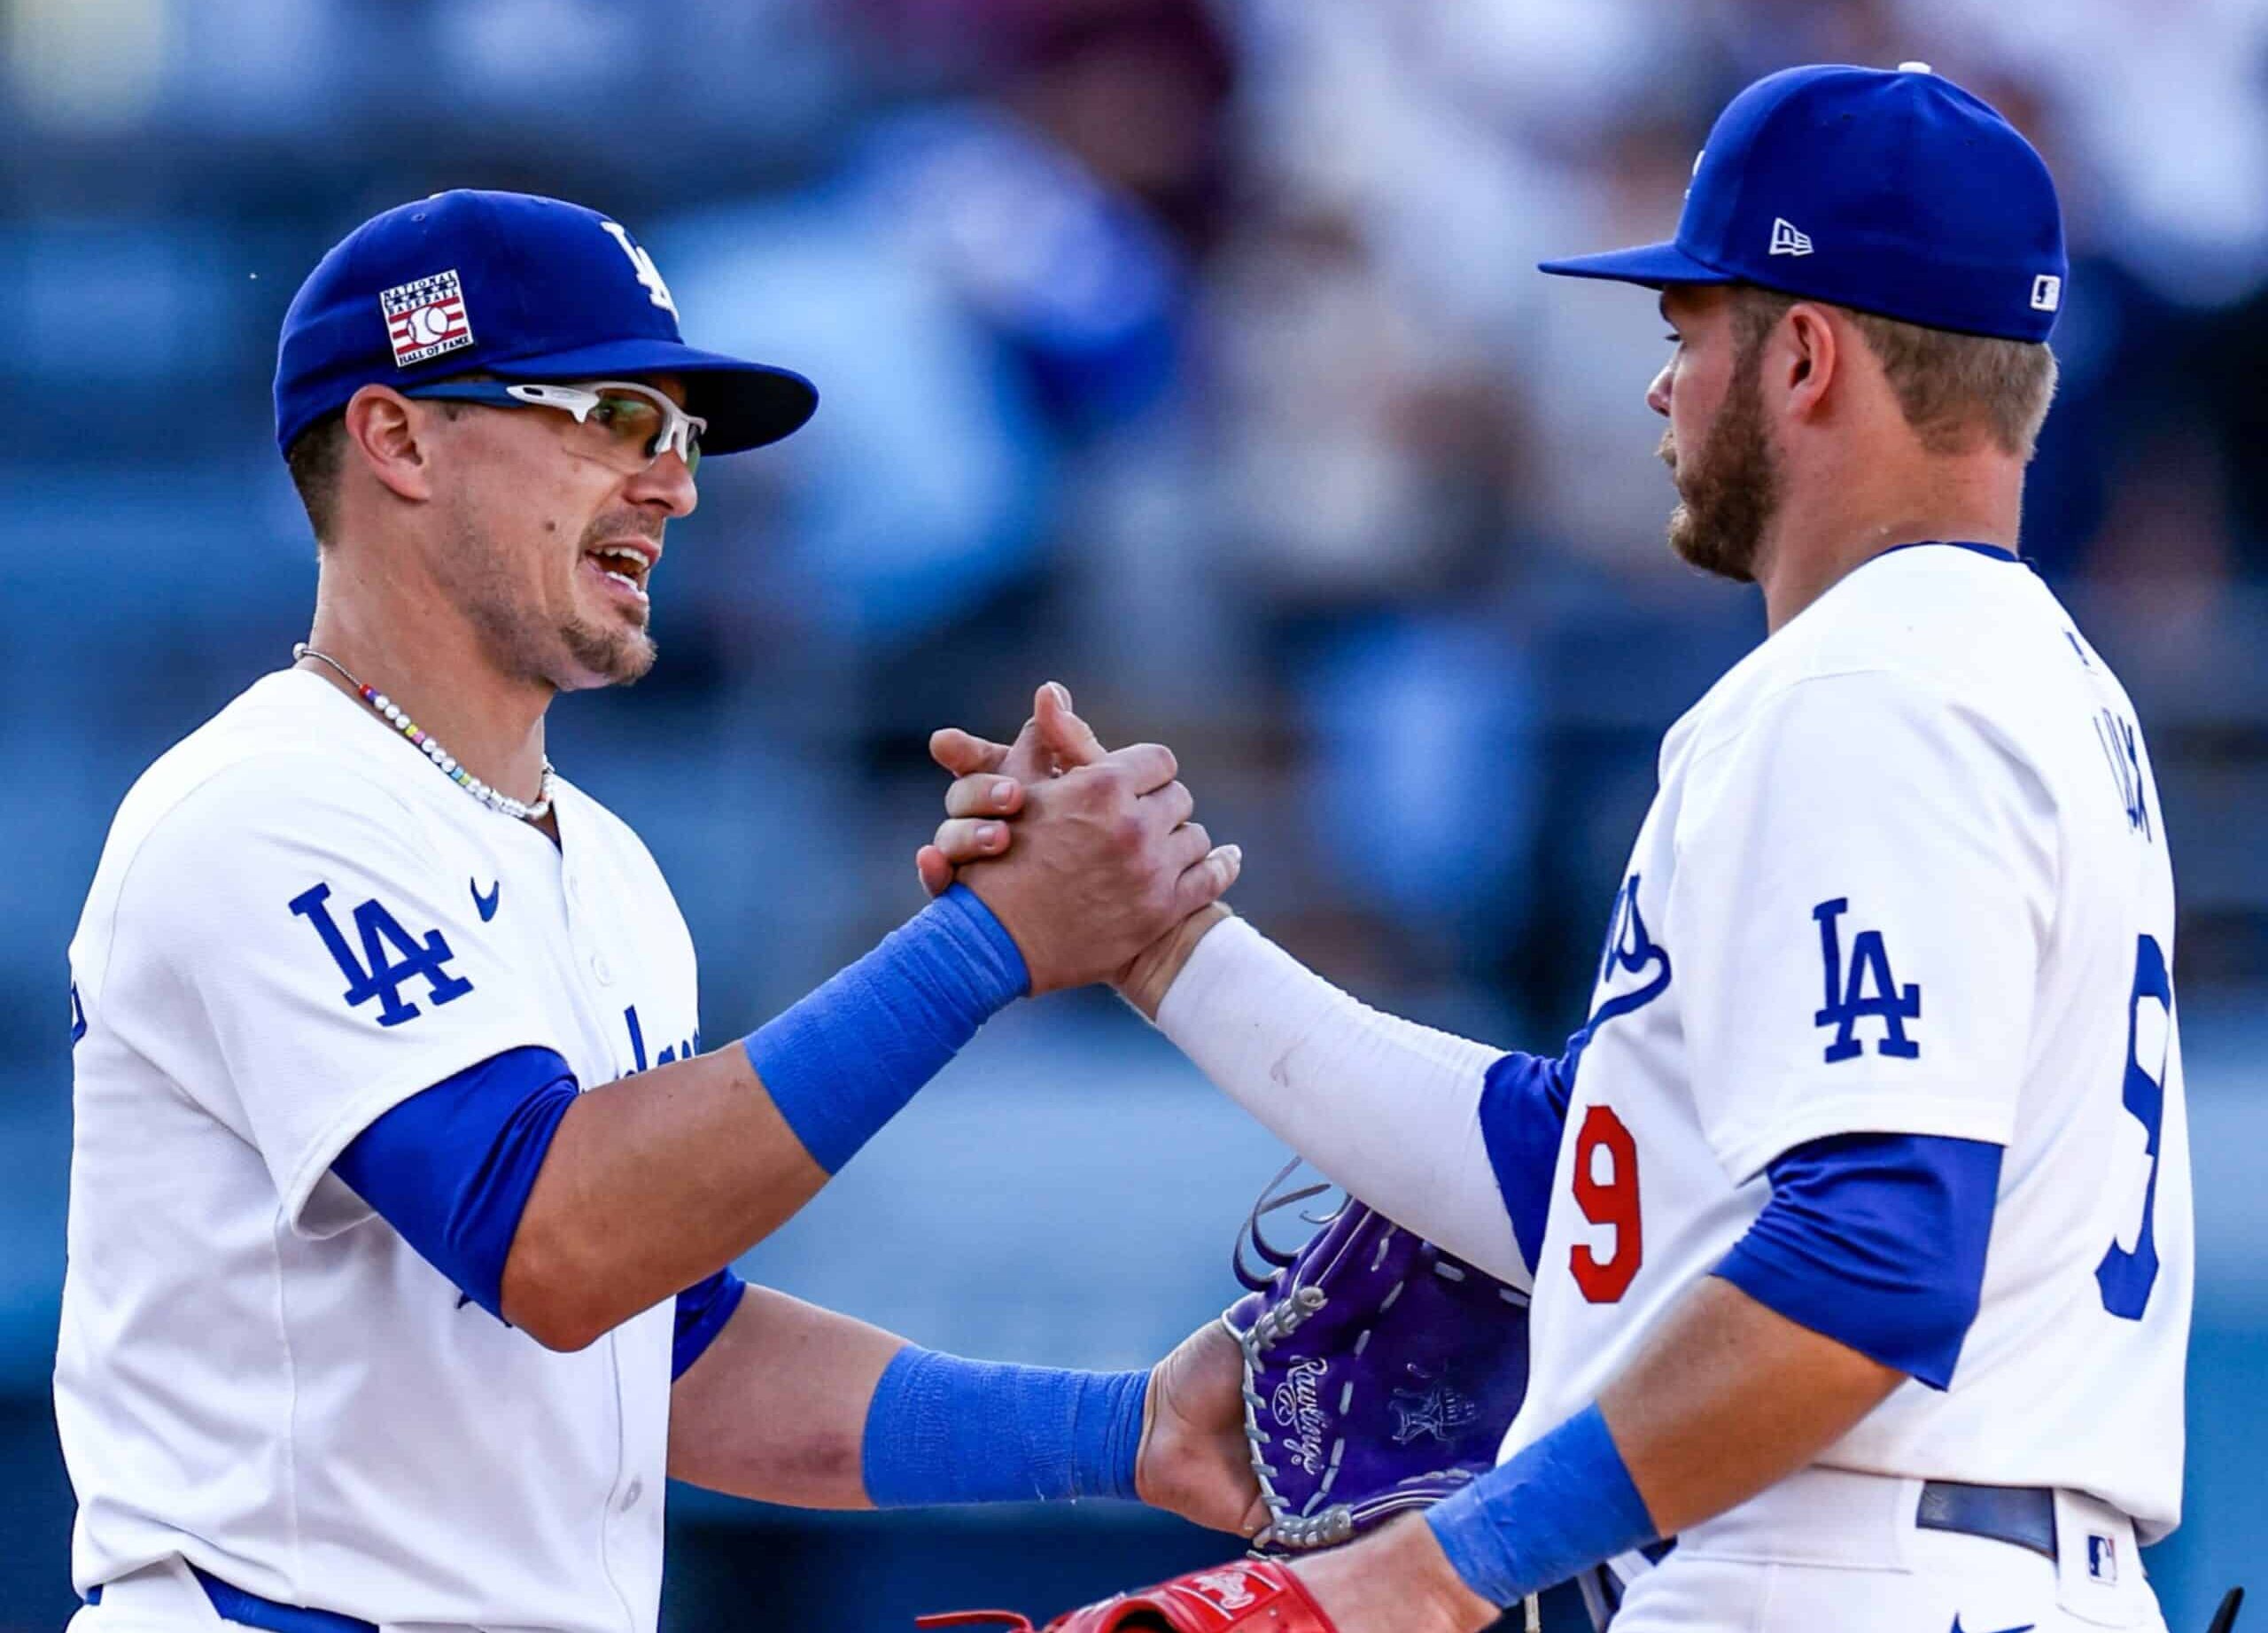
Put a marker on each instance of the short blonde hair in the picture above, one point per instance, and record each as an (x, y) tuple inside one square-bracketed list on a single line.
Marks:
[(1950, 387)]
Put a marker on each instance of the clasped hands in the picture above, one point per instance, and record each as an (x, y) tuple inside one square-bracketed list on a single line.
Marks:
[(1105, 876)]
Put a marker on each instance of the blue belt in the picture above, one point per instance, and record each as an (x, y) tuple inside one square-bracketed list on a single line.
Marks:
[(250, 1610)]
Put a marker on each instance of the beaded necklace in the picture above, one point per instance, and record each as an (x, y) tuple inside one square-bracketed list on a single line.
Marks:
[(391, 713)]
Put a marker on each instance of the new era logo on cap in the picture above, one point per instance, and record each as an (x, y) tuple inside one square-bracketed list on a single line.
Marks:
[(1787, 240), (425, 318)]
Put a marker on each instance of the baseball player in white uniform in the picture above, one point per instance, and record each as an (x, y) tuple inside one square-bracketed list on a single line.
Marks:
[(404, 1192), (1857, 1213)]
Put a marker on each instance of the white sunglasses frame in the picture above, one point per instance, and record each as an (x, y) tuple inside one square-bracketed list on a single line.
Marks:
[(680, 430)]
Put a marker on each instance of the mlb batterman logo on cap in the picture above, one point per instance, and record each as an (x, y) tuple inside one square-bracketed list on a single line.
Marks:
[(1893, 192), (516, 286)]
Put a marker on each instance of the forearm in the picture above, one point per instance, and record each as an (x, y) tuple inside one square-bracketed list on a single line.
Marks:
[(791, 1404), (1726, 1398), (775, 1409), (1324, 1073), (651, 1183)]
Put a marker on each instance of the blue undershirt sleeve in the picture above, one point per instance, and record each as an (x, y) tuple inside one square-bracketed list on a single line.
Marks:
[(1877, 1241), (1523, 1114), (703, 1309), (451, 1167)]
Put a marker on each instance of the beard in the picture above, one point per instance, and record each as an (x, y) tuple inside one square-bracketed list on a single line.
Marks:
[(569, 653), (1729, 488), (617, 654)]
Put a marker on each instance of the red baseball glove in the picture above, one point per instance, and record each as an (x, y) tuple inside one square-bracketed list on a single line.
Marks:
[(1249, 1596)]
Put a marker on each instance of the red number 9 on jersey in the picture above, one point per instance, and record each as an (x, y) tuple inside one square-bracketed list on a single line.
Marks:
[(1603, 1142)]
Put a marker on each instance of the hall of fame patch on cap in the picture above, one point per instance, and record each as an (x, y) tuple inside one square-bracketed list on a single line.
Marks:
[(426, 318)]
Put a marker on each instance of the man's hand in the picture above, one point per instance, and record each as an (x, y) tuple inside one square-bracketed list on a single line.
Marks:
[(1396, 1579), (1195, 1460), (990, 780), (994, 782), (1108, 861)]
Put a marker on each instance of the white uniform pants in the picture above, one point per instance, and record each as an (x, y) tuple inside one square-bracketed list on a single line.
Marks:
[(1828, 1552)]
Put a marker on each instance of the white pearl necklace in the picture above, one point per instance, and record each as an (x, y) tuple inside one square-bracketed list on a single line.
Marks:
[(391, 713)]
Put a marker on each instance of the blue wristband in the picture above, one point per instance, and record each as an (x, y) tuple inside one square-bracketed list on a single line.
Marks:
[(1558, 1508), (940, 1429), (845, 1060)]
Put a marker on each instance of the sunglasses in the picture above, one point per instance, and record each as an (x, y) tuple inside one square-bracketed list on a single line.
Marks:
[(617, 423)]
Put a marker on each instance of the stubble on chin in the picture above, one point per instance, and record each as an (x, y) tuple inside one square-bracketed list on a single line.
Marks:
[(616, 657)]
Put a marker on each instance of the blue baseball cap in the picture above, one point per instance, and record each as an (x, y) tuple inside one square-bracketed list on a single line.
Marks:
[(1893, 192), (517, 286)]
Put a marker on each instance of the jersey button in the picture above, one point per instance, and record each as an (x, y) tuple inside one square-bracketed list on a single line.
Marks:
[(631, 1493), (603, 970)]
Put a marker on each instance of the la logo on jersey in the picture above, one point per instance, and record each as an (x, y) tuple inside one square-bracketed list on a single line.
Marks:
[(1870, 993), (382, 975), (1633, 967)]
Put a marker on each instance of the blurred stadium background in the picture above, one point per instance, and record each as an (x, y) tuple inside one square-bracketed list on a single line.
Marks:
[(1190, 354)]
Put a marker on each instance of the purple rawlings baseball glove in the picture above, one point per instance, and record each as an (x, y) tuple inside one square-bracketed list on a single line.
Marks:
[(1380, 1372)]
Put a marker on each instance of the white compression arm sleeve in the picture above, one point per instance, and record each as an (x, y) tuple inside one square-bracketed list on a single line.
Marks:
[(1383, 1107)]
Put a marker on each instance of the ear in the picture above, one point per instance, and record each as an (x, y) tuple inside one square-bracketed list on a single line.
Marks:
[(1805, 360), (388, 431)]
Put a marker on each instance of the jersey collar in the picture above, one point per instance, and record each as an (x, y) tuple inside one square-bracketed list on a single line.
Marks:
[(1992, 551)]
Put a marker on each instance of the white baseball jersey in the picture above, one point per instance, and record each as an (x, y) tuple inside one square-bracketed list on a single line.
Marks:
[(297, 922), (1905, 874)]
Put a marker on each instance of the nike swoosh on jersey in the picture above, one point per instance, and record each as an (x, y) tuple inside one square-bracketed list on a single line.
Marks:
[(486, 904), (2026, 1627)]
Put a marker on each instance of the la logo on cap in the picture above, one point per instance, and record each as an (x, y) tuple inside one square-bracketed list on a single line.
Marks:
[(1788, 239), (642, 264)]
